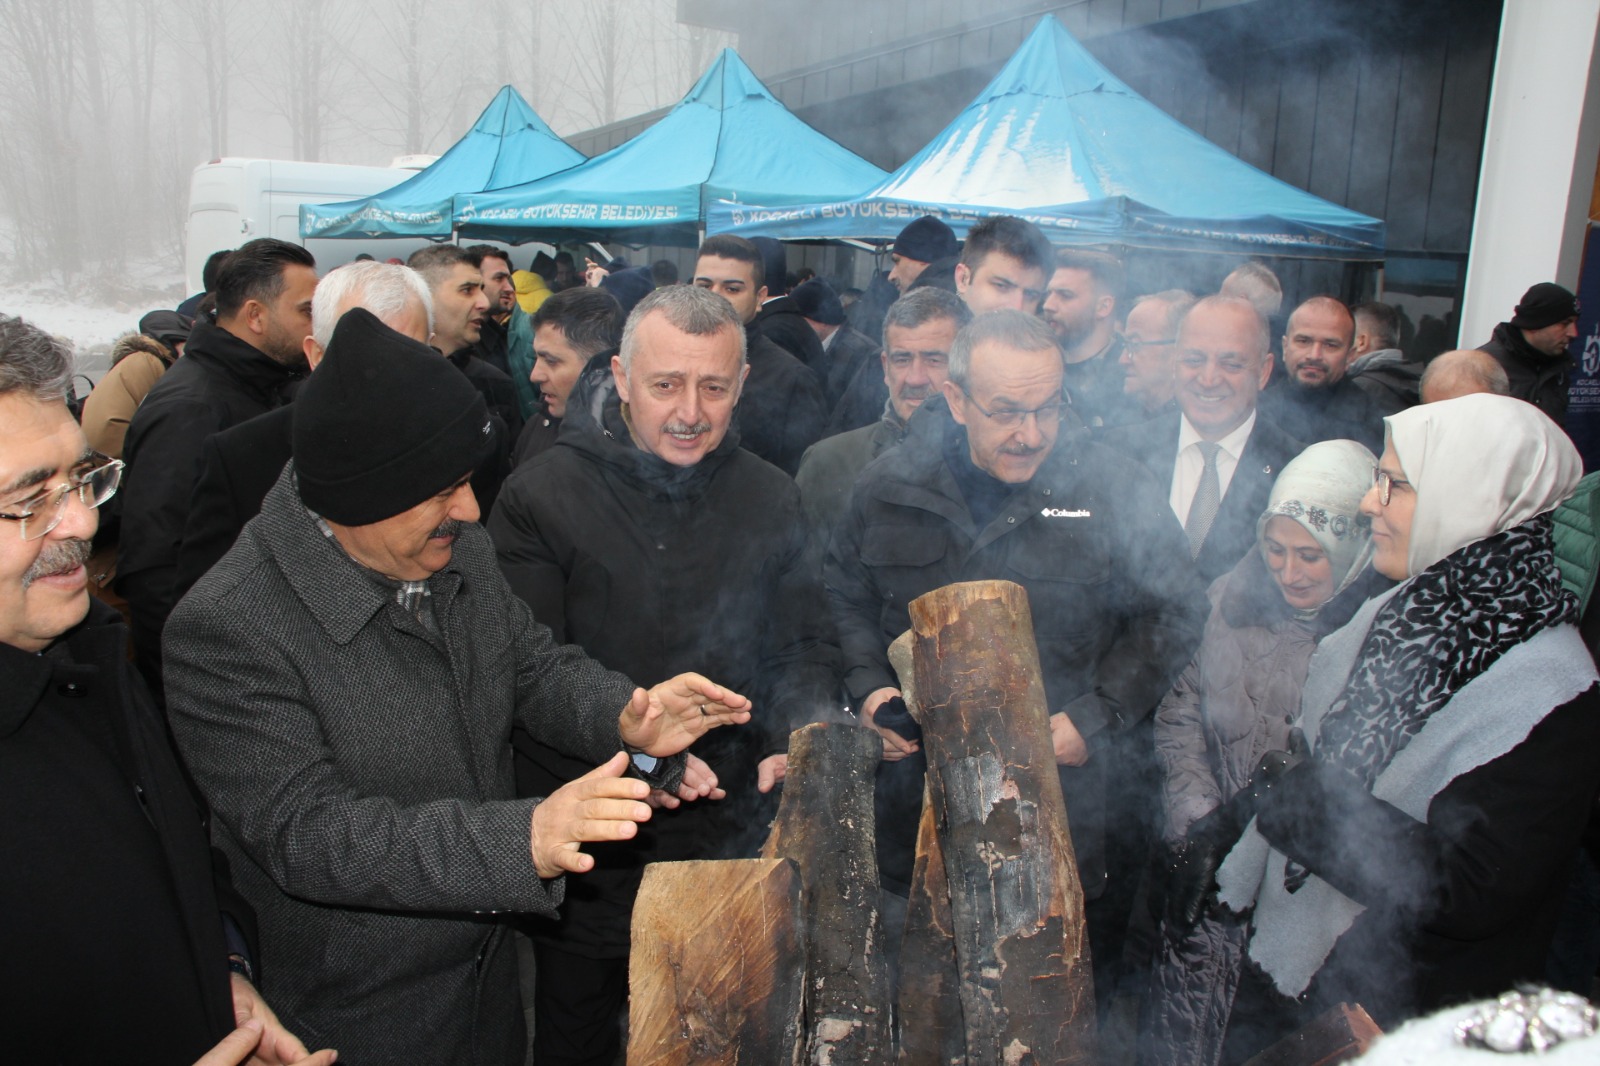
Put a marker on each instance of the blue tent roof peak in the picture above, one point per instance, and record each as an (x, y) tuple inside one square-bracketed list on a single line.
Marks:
[(727, 82)]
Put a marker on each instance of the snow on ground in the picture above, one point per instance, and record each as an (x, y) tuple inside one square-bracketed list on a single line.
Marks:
[(90, 325)]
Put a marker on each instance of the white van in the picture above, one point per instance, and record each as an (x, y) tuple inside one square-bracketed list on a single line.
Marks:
[(236, 200)]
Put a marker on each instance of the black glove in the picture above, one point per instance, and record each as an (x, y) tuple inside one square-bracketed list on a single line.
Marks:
[(893, 714)]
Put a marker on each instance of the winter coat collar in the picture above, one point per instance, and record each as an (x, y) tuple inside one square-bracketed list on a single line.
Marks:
[(1516, 346), (25, 675), (215, 348), (341, 594)]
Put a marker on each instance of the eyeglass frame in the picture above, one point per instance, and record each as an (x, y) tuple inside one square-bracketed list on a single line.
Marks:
[(1134, 345), (1000, 418), (78, 479), (1385, 482)]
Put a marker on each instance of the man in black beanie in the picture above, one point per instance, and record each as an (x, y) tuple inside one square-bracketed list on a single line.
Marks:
[(779, 320), (1534, 347), (925, 244), (847, 348), (343, 685)]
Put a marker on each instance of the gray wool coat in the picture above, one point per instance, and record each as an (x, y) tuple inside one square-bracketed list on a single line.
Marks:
[(358, 766)]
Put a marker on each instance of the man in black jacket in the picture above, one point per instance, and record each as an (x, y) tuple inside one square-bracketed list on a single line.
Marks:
[(570, 328), (779, 319), (231, 371), (116, 946), (998, 480), (1535, 347), (650, 539), (782, 411), (1315, 401), (847, 348), (240, 464), (1221, 363)]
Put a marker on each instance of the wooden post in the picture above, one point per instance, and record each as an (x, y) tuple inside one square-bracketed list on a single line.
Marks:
[(1022, 951), (717, 964), (825, 824)]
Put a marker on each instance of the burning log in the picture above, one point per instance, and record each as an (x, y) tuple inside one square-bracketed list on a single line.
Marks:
[(1339, 1035), (717, 964), (1022, 953), (825, 824)]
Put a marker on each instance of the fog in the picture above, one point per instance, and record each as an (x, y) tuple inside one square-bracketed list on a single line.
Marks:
[(106, 106)]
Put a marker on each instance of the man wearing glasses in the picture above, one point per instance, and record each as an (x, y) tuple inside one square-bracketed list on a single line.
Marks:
[(1149, 342), (997, 480), (115, 932), (1216, 457)]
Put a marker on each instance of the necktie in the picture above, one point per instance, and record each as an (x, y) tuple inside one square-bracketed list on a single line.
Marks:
[(1203, 511)]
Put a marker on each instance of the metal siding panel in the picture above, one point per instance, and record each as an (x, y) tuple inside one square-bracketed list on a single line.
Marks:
[(1372, 144), (1416, 132), (919, 62), (892, 68), (1334, 129), (1224, 111), (1297, 115), (838, 82), (863, 76), (1459, 149), (974, 48), (1171, 9), (1138, 12), (946, 55)]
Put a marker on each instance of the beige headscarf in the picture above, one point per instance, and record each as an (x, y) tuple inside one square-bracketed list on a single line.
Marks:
[(1480, 465), (1321, 489)]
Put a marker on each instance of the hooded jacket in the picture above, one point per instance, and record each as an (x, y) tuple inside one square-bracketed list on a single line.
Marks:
[(655, 569)]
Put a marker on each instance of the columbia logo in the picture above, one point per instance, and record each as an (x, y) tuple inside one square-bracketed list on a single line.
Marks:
[(486, 429), (1058, 512)]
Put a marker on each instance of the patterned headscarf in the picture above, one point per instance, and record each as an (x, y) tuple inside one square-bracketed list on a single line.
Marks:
[(1322, 490)]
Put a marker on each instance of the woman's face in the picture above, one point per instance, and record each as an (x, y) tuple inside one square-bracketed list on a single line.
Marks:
[(1298, 563), (1391, 522)]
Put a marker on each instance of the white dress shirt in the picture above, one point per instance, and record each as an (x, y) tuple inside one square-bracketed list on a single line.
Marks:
[(1186, 471)]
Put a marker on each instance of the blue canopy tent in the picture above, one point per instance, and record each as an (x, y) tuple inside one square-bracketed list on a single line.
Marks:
[(1057, 139), (728, 138), (509, 143)]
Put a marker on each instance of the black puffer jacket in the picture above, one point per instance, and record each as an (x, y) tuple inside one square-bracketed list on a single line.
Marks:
[(654, 570), (1536, 377)]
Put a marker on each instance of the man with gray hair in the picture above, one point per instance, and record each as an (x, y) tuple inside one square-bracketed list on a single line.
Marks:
[(1149, 343), (1462, 373), (110, 896), (918, 331), (997, 480), (648, 537), (239, 465)]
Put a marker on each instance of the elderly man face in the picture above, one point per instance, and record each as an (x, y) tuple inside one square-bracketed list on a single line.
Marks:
[(1011, 407), (416, 543), (1317, 346), (44, 583), (1222, 366), (680, 389), (916, 363), (1147, 354)]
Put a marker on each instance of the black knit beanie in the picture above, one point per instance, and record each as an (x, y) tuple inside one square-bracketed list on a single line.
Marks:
[(383, 423), (1544, 305), (927, 240), (815, 299)]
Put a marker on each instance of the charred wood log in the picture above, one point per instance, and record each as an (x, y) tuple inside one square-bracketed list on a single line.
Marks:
[(1338, 1035), (718, 960), (1022, 951), (825, 824)]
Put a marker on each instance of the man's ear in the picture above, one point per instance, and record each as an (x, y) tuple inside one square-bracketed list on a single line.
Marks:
[(957, 401), (1104, 305), (963, 278), (254, 316), (313, 350), (619, 376), (1266, 368)]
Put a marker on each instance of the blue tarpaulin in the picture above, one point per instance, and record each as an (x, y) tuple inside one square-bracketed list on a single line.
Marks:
[(1057, 139), (729, 138), (508, 144)]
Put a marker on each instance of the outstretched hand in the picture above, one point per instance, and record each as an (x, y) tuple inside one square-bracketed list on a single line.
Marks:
[(674, 714), (601, 805)]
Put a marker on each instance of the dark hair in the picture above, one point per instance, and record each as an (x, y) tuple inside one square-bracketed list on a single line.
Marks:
[(438, 260), (208, 273), (664, 272), (590, 319), (1383, 323), (920, 306), (255, 272), (564, 257), (484, 251), (1106, 270), (727, 246), (1009, 235)]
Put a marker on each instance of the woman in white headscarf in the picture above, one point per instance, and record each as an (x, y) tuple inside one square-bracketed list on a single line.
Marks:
[(1236, 701), (1419, 855)]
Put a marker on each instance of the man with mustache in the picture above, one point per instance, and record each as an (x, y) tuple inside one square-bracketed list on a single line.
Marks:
[(117, 933), (648, 537), (343, 686), (997, 479), (918, 331), (1315, 401)]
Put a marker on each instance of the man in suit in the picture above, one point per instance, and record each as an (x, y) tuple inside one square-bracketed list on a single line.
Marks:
[(343, 686), (1218, 457), (239, 465)]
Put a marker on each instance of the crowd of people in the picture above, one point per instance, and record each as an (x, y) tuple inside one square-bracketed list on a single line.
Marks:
[(455, 594)]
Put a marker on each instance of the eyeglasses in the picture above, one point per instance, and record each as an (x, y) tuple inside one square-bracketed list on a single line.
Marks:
[(1011, 419), (95, 481), (1385, 483), (1135, 345)]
